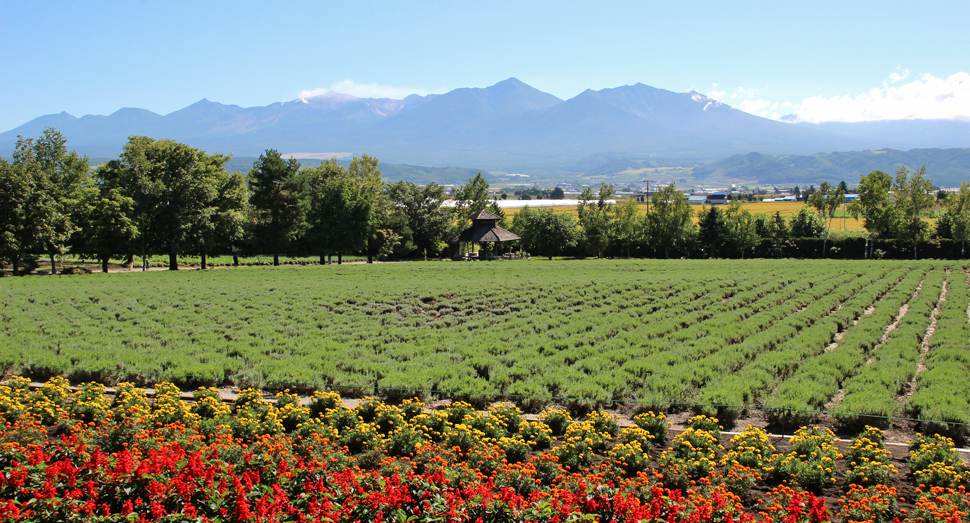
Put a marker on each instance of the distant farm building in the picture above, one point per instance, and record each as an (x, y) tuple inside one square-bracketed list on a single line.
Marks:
[(718, 198), (697, 199)]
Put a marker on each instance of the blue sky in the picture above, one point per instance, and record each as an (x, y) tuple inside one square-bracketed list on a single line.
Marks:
[(824, 60)]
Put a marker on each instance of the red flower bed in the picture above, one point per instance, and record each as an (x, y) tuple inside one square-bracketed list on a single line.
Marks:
[(80, 457)]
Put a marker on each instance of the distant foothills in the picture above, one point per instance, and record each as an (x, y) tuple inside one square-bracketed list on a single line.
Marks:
[(511, 126)]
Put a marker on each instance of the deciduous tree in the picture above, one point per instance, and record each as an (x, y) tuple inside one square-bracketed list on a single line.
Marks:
[(346, 207), (958, 215), (874, 206), (427, 221), (108, 225), (825, 202), (742, 230), (224, 222), (315, 199), (914, 198), (544, 231), (806, 224), (596, 219), (278, 215), (470, 199), (41, 197), (175, 189), (670, 220)]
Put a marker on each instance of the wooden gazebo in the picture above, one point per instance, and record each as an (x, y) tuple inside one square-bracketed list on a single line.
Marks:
[(484, 229)]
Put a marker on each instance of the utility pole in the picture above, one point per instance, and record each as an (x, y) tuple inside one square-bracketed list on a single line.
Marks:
[(648, 194)]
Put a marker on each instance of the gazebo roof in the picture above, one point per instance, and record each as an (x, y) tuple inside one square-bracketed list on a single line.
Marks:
[(486, 215), (484, 232), (483, 229)]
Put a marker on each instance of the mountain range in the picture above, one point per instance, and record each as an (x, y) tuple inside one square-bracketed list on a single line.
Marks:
[(509, 125), (945, 167)]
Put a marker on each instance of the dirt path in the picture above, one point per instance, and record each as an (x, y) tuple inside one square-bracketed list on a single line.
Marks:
[(43, 268), (836, 400), (925, 346)]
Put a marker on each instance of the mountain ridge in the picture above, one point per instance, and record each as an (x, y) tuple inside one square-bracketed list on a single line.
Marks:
[(506, 125)]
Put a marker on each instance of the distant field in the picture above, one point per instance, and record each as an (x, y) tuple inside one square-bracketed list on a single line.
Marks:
[(785, 208), (789, 336)]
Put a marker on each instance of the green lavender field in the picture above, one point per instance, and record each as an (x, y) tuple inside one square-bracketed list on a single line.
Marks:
[(864, 341)]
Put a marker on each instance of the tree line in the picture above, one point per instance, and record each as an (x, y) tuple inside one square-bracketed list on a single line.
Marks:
[(165, 197), (892, 208)]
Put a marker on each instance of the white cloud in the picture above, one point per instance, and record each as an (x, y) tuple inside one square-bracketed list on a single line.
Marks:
[(715, 93), (743, 93), (758, 107), (926, 98), (353, 88), (743, 98), (311, 93), (898, 75)]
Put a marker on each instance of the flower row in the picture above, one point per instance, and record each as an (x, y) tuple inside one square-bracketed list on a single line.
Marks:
[(81, 456)]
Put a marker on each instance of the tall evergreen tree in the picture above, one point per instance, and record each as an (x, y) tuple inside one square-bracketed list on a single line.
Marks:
[(713, 232)]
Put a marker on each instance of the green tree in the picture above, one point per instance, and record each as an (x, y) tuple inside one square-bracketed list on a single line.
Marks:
[(874, 206), (174, 187), (470, 199), (780, 234), (41, 198), (345, 212), (713, 232), (24, 206), (557, 193), (131, 175), (108, 227), (278, 216), (957, 211), (670, 221), (223, 223), (596, 219), (775, 229), (427, 220), (629, 226), (372, 203), (320, 216), (347, 208), (545, 232), (806, 224), (742, 230), (914, 198), (66, 174), (825, 202)]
